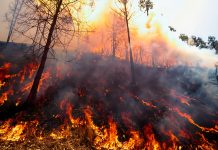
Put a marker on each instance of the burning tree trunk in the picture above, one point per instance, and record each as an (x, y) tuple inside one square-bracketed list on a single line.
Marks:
[(32, 95)]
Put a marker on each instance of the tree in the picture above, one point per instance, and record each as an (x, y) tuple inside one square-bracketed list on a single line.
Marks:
[(32, 95), (124, 12), (172, 29), (114, 38), (116, 31), (54, 23), (15, 10), (146, 5), (213, 43), (184, 38)]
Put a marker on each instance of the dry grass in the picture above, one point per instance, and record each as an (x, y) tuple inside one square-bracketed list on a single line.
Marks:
[(77, 141)]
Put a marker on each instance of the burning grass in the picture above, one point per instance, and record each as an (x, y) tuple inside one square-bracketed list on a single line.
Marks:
[(88, 104)]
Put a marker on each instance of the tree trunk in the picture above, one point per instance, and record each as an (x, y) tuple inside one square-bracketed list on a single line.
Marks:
[(33, 92), (141, 53), (130, 46), (114, 43), (16, 12), (12, 22)]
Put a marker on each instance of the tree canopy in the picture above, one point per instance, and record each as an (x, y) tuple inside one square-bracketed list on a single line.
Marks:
[(211, 43)]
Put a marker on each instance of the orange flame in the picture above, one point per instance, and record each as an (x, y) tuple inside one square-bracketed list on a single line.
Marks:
[(189, 118), (12, 133)]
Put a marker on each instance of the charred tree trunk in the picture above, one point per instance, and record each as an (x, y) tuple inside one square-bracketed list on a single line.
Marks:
[(130, 46), (33, 92)]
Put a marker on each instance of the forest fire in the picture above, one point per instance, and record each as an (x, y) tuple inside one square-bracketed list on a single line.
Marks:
[(77, 107), (128, 84)]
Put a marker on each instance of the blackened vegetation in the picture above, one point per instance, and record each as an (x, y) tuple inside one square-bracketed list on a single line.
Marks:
[(103, 85)]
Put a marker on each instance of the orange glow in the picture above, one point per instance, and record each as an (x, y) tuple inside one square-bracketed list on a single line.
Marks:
[(4, 96), (61, 133), (10, 133), (95, 15), (4, 73), (189, 118), (151, 143), (182, 99), (107, 138), (75, 122)]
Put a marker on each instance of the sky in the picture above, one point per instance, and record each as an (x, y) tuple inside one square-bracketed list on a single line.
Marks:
[(192, 17)]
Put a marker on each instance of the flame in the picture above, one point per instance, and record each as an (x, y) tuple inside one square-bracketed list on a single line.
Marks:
[(173, 140), (27, 87), (182, 99), (4, 70), (12, 133), (157, 42), (189, 118), (22, 76), (5, 126), (4, 96), (205, 144), (107, 138), (152, 143), (75, 122), (143, 101), (61, 133)]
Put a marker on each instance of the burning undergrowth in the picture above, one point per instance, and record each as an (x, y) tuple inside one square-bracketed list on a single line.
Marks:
[(90, 103)]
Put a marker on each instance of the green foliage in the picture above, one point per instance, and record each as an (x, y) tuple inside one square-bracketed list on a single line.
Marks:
[(146, 5), (172, 29), (184, 37), (212, 43), (199, 42)]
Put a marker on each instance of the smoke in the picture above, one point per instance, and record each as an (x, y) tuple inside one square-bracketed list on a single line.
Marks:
[(152, 42), (173, 93), (162, 98)]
